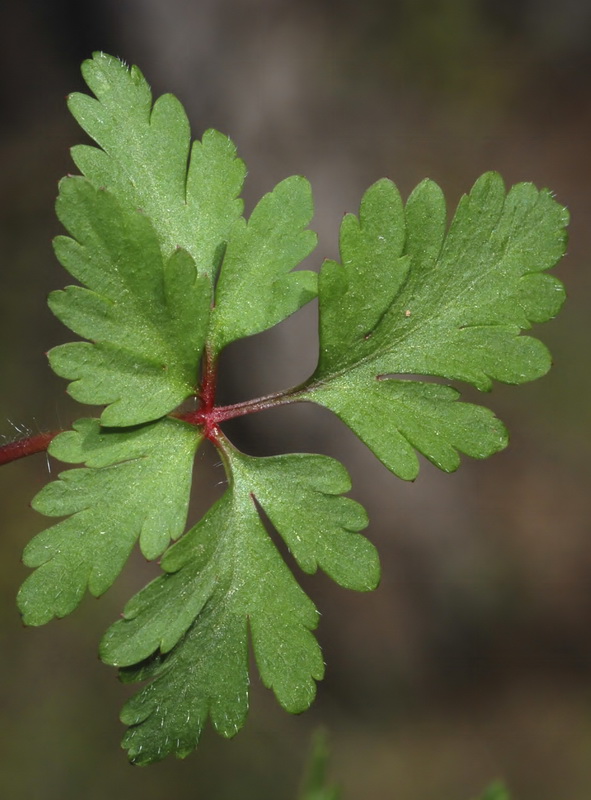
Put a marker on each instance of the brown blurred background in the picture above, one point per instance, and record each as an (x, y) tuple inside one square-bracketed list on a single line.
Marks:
[(472, 660)]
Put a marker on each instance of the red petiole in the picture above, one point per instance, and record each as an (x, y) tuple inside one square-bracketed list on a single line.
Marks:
[(26, 447)]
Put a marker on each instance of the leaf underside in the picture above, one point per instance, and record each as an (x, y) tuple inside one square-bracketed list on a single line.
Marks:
[(170, 273)]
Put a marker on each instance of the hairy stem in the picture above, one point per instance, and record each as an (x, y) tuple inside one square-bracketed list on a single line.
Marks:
[(26, 447)]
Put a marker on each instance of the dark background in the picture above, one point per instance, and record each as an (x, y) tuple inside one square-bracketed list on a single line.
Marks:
[(472, 659)]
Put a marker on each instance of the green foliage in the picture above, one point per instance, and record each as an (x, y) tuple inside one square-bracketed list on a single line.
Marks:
[(256, 288), (171, 273), (136, 484), (146, 160), (145, 314), (226, 577), (497, 791), (316, 785), (450, 306)]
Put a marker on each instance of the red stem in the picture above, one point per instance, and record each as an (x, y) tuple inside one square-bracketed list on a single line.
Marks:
[(205, 413), (216, 414), (209, 383), (26, 447)]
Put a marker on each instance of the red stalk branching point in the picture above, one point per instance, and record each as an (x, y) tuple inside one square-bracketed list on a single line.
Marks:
[(208, 416), (204, 416)]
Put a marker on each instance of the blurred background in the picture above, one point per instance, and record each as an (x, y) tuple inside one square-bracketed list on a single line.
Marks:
[(473, 659)]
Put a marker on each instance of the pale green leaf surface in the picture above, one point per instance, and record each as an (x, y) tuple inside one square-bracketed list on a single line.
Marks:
[(147, 315), (227, 572), (136, 484), (409, 299), (206, 673), (301, 495), (190, 193), (256, 288)]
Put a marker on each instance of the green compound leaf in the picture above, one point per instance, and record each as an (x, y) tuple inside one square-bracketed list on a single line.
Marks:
[(146, 160), (408, 299), (226, 577), (171, 273), (136, 484), (147, 315)]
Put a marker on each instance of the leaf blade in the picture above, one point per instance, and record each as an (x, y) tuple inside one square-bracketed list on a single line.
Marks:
[(257, 287), (147, 316), (457, 313), (135, 485), (227, 569), (146, 159)]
